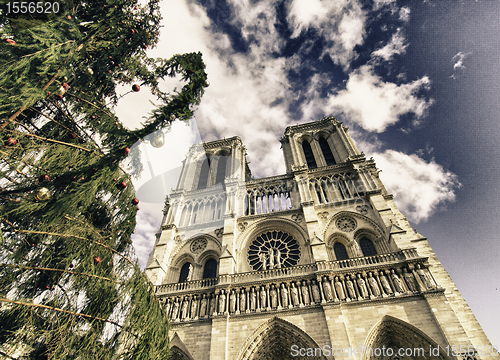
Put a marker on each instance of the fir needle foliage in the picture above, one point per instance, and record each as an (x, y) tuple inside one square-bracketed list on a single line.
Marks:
[(70, 285)]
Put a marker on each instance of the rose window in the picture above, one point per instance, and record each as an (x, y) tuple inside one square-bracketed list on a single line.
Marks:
[(273, 250), (346, 224)]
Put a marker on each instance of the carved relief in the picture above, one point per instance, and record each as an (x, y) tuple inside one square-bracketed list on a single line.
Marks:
[(346, 224), (198, 245)]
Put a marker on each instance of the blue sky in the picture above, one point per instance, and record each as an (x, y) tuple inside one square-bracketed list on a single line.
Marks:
[(417, 82)]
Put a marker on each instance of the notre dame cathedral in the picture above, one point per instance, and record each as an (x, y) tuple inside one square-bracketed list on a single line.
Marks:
[(317, 263)]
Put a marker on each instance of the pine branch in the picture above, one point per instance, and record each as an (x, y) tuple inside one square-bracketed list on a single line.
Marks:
[(62, 311), (76, 237), (16, 114), (61, 271)]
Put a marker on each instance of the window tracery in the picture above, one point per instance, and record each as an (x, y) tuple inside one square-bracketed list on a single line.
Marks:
[(273, 250)]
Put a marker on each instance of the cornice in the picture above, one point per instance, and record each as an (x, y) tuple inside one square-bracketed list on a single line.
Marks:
[(312, 125)]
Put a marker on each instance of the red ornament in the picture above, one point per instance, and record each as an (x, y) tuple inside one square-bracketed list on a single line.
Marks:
[(97, 259), (11, 141), (136, 88), (132, 31), (69, 17), (44, 178), (114, 179), (65, 86), (10, 41), (122, 185), (126, 151), (72, 135), (135, 201)]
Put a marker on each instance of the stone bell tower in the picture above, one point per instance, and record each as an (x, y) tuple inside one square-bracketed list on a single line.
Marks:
[(316, 263)]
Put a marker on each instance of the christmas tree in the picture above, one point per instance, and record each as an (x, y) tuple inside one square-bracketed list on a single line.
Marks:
[(70, 286)]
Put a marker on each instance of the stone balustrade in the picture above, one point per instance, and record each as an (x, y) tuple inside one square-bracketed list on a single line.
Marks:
[(290, 272), (353, 285)]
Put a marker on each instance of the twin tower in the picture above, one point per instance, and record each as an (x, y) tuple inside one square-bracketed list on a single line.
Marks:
[(317, 263)]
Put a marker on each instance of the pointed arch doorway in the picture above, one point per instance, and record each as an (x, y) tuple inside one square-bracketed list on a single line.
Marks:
[(401, 341), (274, 339)]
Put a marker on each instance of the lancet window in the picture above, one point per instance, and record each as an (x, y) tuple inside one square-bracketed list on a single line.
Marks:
[(340, 251), (327, 152), (221, 170), (336, 188), (210, 269), (367, 247), (308, 153), (186, 272), (267, 199), (204, 173)]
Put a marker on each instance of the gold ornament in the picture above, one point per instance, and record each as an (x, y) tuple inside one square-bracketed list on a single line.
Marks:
[(60, 91), (158, 139), (42, 194)]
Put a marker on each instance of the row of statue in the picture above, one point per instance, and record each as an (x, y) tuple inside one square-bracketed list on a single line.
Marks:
[(299, 293)]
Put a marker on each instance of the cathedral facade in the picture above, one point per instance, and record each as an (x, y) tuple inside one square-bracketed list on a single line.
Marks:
[(317, 263)]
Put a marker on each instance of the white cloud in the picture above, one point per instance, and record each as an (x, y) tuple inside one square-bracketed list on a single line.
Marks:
[(419, 187), (375, 104), (459, 60), (341, 23), (397, 45)]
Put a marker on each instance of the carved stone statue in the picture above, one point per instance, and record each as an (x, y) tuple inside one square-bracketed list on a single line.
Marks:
[(190, 273), (373, 285), (397, 282), (203, 305), (278, 259), (262, 298), (327, 288), (222, 302), (362, 286), (243, 300), (168, 306), (175, 310), (253, 300), (410, 280), (424, 277), (212, 305), (350, 288), (385, 284), (263, 260), (315, 292), (274, 297), (339, 288), (194, 307), (232, 302), (295, 295), (271, 258), (284, 295), (305, 293), (184, 309)]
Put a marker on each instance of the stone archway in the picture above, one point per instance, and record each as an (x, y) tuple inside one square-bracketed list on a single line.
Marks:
[(274, 339), (393, 334)]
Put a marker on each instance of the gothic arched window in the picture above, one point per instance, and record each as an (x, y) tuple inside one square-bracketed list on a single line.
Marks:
[(308, 153), (327, 152), (210, 270), (367, 247), (221, 170), (340, 251), (204, 173), (185, 272)]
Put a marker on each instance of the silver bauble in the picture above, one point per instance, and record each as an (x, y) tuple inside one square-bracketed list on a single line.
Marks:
[(158, 139)]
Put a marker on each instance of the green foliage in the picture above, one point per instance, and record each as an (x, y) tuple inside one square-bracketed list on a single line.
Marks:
[(70, 287)]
